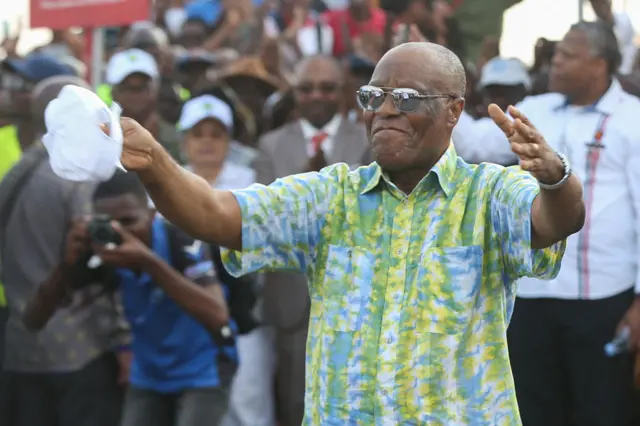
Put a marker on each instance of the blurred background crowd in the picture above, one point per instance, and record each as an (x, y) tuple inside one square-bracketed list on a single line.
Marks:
[(238, 91)]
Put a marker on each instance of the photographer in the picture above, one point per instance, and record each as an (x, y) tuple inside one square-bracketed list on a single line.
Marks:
[(171, 298), (67, 373)]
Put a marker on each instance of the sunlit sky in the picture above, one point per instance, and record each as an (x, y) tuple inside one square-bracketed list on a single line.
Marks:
[(524, 23)]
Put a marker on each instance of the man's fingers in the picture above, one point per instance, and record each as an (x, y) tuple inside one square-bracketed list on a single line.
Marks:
[(500, 118), (525, 150), (516, 113), (527, 133)]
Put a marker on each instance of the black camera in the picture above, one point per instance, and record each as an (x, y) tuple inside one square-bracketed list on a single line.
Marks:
[(89, 269), (102, 233)]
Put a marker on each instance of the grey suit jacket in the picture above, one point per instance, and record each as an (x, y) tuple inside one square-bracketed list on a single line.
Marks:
[(283, 152)]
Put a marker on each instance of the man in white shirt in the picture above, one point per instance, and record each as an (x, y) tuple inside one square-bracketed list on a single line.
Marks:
[(321, 136), (559, 327)]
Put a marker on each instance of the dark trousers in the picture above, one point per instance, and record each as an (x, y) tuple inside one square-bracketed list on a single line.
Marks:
[(89, 397), (561, 373), (290, 374), (195, 407)]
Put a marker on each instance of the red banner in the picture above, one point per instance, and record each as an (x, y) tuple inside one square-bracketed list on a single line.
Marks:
[(62, 14)]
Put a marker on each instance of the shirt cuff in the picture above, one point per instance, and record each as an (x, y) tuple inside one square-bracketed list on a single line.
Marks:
[(239, 263)]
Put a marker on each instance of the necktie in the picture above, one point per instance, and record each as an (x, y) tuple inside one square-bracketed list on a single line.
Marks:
[(317, 140)]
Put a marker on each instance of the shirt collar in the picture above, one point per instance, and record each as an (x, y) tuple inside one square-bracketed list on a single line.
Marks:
[(331, 128), (444, 170), (605, 105)]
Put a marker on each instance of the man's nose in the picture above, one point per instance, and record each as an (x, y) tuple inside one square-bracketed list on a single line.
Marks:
[(387, 108)]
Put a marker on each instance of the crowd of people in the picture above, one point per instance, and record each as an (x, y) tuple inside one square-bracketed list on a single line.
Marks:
[(156, 331)]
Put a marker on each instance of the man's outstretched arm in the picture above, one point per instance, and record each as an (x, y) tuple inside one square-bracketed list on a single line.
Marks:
[(185, 199)]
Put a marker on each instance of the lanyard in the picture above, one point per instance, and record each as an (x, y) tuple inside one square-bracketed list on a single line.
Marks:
[(597, 137), (591, 165), (594, 146)]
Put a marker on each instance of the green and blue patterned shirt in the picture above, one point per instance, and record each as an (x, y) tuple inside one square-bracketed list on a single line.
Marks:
[(411, 295)]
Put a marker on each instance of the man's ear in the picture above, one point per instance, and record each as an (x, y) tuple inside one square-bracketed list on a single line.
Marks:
[(455, 110)]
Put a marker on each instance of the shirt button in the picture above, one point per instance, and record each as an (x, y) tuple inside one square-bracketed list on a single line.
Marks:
[(389, 340), (384, 392), (399, 252)]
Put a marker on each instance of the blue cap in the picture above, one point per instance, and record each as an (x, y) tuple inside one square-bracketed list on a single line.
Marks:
[(37, 67), (207, 10)]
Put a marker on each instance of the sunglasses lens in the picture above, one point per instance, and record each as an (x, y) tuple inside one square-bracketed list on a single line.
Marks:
[(370, 98), (406, 100)]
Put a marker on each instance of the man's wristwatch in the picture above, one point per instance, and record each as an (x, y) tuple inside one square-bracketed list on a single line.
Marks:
[(567, 173)]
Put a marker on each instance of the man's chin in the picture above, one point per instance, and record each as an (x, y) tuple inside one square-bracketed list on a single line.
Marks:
[(390, 163)]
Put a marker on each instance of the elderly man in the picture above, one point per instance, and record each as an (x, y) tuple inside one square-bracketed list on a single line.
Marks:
[(411, 260)]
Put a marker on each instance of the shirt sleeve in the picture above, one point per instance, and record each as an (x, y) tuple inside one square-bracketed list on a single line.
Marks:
[(511, 203), (282, 222)]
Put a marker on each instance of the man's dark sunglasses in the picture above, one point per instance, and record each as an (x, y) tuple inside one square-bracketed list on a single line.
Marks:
[(326, 88), (371, 98)]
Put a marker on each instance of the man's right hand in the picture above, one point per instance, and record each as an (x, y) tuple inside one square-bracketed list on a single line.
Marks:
[(138, 145), (78, 242)]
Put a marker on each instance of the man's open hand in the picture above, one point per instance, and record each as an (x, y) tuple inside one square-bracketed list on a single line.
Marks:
[(536, 156)]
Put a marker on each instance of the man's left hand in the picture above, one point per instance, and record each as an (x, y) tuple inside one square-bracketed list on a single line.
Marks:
[(632, 320), (131, 254), (536, 156)]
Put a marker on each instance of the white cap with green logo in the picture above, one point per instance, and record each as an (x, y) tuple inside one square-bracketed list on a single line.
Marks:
[(202, 108)]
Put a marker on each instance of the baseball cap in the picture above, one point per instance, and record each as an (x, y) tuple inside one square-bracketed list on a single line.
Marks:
[(37, 67), (504, 72), (203, 107), (132, 61)]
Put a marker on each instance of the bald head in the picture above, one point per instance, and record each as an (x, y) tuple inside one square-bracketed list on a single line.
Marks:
[(424, 62), (321, 64), (47, 90)]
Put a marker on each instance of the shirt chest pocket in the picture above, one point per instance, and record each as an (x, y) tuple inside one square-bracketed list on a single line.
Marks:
[(347, 287), (448, 285)]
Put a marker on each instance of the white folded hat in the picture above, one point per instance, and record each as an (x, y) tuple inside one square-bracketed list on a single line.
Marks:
[(78, 148)]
